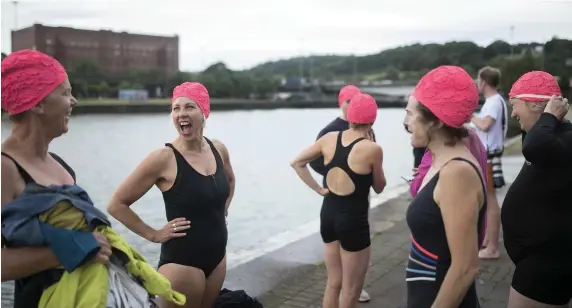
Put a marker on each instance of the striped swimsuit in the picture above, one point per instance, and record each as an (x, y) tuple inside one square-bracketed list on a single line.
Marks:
[(429, 257)]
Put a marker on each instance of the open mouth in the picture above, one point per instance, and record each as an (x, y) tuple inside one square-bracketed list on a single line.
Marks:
[(185, 127)]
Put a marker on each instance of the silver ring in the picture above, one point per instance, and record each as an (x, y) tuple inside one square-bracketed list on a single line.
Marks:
[(175, 229), (174, 225)]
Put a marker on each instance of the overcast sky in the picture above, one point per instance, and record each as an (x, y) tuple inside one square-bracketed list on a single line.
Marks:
[(247, 32)]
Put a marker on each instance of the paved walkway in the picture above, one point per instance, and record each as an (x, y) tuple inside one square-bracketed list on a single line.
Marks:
[(385, 280)]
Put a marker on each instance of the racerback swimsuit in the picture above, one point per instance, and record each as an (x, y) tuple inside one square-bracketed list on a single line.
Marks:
[(345, 218)]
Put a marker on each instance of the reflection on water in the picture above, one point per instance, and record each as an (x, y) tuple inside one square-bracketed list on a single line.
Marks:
[(269, 197)]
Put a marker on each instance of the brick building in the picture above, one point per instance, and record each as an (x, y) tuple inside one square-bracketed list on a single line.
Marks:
[(113, 52)]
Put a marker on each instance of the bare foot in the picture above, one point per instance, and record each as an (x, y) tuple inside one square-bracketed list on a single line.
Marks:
[(487, 254)]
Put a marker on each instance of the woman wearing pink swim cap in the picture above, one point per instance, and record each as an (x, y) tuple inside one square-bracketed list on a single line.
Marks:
[(353, 165), (536, 212), (446, 217), (36, 183), (36, 94), (196, 179)]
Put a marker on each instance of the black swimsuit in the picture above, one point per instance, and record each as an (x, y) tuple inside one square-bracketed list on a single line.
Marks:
[(29, 290), (345, 218), (202, 200), (430, 257)]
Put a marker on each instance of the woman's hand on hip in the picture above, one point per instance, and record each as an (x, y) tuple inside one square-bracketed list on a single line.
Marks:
[(173, 229), (323, 191)]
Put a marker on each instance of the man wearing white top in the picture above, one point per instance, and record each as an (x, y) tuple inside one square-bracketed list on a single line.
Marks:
[(491, 126)]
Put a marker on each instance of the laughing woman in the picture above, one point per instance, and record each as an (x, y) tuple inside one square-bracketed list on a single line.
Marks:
[(196, 179)]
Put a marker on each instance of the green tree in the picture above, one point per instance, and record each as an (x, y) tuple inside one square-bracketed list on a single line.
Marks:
[(495, 49), (124, 85), (564, 83), (512, 67), (104, 89), (83, 75), (392, 73)]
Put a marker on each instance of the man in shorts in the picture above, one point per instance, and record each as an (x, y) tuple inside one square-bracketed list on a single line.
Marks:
[(491, 127)]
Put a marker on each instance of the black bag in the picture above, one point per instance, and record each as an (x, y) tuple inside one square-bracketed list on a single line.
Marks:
[(236, 299)]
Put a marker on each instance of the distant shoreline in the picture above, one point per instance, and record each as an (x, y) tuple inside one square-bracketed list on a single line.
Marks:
[(108, 106), (162, 106)]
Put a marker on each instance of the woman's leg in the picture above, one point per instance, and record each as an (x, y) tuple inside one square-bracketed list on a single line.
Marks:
[(187, 280), (214, 284), (334, 271), (354, 268)]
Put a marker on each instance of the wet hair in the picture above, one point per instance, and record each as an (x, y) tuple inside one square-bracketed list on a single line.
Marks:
[(490, 75), (452, 134), (359, 126)]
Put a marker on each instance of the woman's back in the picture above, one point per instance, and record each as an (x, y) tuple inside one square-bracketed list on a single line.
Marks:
[(347, 158), (344, 214)]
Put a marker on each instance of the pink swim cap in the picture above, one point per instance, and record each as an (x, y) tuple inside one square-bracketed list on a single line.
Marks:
[(535, 87), (450, 93), (346, 93), (362, 109), (28, 76), (195, 91)]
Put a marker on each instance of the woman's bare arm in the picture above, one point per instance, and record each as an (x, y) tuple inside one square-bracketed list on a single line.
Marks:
[(379, 181), (19, 263), (134, 187), (459, 202), (300, 164), (227, 170)]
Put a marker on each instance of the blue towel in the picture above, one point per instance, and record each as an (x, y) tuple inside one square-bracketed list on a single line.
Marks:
[(71, 247)]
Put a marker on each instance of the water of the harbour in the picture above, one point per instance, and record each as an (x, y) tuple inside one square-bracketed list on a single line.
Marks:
[(270, 199)]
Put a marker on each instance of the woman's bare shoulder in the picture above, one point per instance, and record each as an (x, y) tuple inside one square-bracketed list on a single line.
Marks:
[(158, 159), (371, 146)]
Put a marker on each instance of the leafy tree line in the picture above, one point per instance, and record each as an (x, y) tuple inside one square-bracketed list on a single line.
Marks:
[(89, 81), (412, 61)]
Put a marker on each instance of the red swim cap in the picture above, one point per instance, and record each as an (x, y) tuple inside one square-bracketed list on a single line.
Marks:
[(450, 93), (535, 87), (28, 76), (346, 93), (362, 109), (195, 91)]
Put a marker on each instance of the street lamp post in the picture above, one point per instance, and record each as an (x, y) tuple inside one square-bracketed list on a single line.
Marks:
[(15, 3)]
